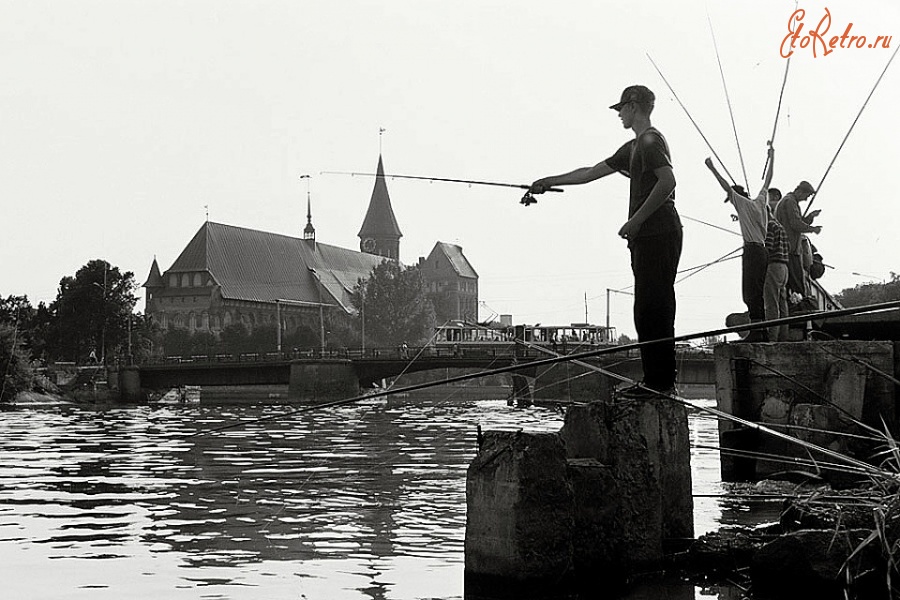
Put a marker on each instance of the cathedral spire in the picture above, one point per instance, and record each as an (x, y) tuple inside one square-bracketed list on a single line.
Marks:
[(309, 232), (380, 233)]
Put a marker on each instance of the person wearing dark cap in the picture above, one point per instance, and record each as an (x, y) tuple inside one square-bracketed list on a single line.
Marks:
[(753, 220), (652, 230), (795, 225)]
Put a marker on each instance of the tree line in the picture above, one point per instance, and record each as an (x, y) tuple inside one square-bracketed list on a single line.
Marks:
[(92, 321)]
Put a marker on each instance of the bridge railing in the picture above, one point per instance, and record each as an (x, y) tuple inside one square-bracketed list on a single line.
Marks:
[(443, 351)]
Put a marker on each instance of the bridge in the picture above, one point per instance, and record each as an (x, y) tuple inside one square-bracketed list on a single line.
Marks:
[(343, 373)]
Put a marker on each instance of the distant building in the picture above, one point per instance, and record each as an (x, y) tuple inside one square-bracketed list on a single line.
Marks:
[(228, 274), (452, 283)]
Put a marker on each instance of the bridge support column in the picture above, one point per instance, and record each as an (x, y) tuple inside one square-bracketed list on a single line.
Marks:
[(322, 380), (130, 384), (521, 390)]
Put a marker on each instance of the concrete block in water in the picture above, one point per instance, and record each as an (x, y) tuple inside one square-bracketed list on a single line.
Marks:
[(519, 503), (589, 505)]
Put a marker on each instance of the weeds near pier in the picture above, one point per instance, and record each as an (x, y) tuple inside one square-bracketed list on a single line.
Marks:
[(885, 533)]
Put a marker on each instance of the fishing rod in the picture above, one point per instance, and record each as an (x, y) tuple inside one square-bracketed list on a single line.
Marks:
[(859, 114), (728, 100), (858, 464), (787, 67), (821, 315), (527, 199), (697, 127)]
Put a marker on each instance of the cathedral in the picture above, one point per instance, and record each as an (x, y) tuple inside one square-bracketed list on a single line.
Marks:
[(228, 274)]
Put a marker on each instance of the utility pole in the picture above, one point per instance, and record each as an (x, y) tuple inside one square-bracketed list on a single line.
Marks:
[(608, 290)]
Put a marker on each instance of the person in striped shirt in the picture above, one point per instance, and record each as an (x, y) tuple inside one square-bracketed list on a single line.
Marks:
[(775, 287)]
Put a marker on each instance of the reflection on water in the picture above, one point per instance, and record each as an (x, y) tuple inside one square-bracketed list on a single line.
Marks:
[(360, 502)]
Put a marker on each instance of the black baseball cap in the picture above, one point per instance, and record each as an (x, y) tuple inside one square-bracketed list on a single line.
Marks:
[(635, 93)]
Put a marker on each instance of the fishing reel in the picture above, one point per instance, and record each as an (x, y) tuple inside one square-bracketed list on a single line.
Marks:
[(528, 199)]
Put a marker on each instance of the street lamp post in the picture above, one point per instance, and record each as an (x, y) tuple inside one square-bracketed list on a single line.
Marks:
[(103, 314), (321, 313), (278, 326), (362, 309)]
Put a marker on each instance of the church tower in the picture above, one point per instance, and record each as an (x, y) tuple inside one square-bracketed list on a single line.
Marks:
[(380, 234)]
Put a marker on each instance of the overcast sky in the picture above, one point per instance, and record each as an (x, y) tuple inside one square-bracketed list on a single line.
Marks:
[(122, 121)]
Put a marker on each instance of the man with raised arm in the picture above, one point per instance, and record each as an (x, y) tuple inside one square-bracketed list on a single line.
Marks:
[(653, 232), (753, 219)]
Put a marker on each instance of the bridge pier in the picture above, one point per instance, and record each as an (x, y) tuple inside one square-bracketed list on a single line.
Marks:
[(322, 380), (521, 390), (130, 384)]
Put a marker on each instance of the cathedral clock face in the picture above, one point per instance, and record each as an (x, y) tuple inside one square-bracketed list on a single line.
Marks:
[(368, 245)]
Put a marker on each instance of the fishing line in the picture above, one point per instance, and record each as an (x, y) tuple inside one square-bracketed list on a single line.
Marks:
[(865, 364), (792, 460), (865, 467), (697, 127), (869, 97), (847, 415), (731, 231), (728, 100), (707, 265), (821, 315)]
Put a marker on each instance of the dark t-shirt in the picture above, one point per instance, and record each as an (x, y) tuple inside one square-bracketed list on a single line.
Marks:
[(637, 159)]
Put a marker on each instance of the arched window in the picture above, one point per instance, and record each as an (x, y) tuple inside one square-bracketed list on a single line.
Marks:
[(198, 280), (185, 280), (227, 318), (192, 321), (173, 280)]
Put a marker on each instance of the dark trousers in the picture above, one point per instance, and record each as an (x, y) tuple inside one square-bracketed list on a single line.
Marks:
[(754, 263), (654, 262), (796, 276)]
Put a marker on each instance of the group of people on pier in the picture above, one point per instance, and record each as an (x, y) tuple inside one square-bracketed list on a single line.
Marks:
[(777, 255)]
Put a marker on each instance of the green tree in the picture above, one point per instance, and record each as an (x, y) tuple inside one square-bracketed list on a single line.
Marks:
[(176, 342), (91, 312), (870, 293), (30, 322), (396, 307), (234, 338), (15, 364)]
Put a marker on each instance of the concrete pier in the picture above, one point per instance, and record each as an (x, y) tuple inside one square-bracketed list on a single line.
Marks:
[(806, 389), (608, 495), (322, 381)]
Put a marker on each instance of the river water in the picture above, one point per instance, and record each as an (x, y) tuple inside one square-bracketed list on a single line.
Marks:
[(359, 502)]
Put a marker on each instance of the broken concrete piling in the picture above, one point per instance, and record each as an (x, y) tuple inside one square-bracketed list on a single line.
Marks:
[(604, 497)]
